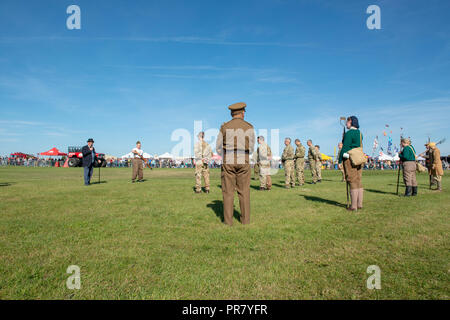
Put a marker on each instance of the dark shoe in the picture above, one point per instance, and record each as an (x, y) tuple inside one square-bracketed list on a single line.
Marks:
[(196, 191), (262, 189), (206, 191), (319, 180), (414, 191), (360, 208), (132, 181), (350, 209), (408, 191)]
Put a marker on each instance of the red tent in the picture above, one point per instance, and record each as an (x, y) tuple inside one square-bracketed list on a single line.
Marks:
[(53, 152)]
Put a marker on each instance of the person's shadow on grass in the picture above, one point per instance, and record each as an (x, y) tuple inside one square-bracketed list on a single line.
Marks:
[(323, 200), (217, 207), (99, 182), (5, 184), (379, 191)]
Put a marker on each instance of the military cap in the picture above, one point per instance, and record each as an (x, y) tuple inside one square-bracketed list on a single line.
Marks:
[(237, 106), (90, 140)]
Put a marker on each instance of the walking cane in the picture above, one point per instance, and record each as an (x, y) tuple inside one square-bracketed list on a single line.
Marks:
[(398, 175), (345, 171)]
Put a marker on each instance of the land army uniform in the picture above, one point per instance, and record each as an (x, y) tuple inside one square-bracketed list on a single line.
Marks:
[(235, 142)]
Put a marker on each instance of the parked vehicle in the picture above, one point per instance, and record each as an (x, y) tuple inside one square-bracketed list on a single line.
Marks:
[(76, 158)]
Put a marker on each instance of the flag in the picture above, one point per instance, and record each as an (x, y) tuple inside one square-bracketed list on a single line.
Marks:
[(375, 144)]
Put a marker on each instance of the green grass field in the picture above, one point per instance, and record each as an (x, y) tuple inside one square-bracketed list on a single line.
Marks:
[(159, 240)]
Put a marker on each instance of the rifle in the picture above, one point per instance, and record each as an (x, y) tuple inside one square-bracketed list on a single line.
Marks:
[(145, 162), (399, 165), (345, 171)]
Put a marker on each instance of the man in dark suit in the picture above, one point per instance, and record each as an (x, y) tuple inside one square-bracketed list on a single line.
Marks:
[(89, 157)]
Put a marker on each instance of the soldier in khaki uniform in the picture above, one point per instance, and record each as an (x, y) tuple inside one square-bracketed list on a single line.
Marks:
[(264, 155), (235, 142), (300, 161), (436, 166), (312, 160), (318, 163), (203, 155), (288, 162), (255, 166)]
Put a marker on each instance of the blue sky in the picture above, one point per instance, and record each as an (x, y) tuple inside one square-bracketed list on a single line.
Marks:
[(142, 69)]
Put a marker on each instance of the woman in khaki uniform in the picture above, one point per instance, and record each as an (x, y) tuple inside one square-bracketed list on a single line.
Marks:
[(353, 174), (436, 166)]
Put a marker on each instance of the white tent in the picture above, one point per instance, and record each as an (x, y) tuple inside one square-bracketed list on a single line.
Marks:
[(131, 155), (127, 156), (166, 156), (396, 157), (384, 157)]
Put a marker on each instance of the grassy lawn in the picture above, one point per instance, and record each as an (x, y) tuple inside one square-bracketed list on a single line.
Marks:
[(159, 240)]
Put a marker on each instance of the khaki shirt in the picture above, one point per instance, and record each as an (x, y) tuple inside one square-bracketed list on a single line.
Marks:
[(288, 153), (236, 136), (312, 153), (300, 152), (263, 154), (202, 150)]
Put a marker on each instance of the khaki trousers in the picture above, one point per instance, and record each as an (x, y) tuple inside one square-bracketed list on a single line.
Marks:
[(353, 174), (300, 170), (409, 173), (201, 170), (319, 170), (312, 165), (236, 177), (289, 173), (265, 181), (138, 170)]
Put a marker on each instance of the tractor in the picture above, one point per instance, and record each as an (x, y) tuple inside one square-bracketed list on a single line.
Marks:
[(75, 158)]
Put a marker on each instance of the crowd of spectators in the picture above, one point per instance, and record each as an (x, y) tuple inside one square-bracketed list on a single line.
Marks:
[(168, 163), (31, 162)]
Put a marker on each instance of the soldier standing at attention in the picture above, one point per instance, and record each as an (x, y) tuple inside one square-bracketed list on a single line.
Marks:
[(353, 174), (235, 142), (288, 162), (203, 155), (408, 159), (138, 165), (255, 166), (318, 163), (340, 166), (264, 155), (428, 155), (312, 160), (300, 162), (436, 166)]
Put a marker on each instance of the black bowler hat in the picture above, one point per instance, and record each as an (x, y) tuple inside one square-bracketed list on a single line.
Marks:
[(90, 140)]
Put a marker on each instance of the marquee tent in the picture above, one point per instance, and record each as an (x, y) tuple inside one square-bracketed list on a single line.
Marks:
[(166, 156), (131, 155), (53, 152)]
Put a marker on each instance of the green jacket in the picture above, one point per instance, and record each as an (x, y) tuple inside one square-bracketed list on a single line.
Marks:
[(352, 139), (407, 154)]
